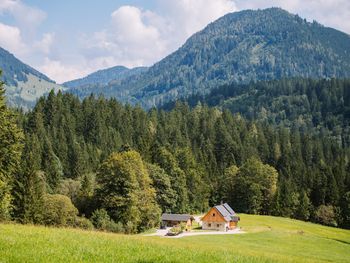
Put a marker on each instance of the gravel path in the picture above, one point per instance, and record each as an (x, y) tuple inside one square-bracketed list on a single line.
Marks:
[(163, 232)]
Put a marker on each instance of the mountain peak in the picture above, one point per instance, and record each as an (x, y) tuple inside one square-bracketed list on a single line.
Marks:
[(239, 47)]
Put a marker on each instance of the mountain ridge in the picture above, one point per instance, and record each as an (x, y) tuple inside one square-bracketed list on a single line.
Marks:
[(23, 84), (239, 47), (104, 76)]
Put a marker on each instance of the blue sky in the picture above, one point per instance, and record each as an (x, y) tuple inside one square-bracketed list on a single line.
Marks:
[(68, 39)]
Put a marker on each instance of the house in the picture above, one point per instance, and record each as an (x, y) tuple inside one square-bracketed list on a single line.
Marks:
[(170, 220), (221, 218)]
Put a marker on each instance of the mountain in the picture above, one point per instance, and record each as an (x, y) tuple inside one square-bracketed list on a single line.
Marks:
[(103, 77), (239, 47), (24, 85)]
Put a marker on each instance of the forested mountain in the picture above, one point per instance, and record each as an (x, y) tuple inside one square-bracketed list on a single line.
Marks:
[(24, 85), (239, 47), (193, 158), (319, 105), (104, 77)]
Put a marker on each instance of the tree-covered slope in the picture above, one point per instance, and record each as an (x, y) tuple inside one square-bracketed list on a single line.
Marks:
[(196, 157), (103, 77), (322, 105), (240, 47), (24, 85)]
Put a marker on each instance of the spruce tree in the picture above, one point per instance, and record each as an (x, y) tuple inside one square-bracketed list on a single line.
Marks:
[(11, 145)]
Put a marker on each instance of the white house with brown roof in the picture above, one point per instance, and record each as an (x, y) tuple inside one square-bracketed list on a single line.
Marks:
[(221, 218)]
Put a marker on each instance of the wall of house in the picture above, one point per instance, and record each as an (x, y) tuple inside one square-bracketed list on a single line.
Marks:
[(219, 226)]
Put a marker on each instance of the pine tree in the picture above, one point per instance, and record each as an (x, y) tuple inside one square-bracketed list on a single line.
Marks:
[(303, 210), (11, 144), (30, 186)]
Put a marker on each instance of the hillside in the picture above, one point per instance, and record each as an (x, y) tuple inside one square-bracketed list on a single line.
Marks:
[(239, 47), (323, 105), (104, 77), (268, 239), (24, 85)]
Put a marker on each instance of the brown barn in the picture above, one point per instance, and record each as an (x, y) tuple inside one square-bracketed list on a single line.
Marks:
[(170, 220), (220, 217)]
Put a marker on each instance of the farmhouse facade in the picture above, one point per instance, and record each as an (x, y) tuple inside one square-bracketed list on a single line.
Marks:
[(221, 218), (170, 220)]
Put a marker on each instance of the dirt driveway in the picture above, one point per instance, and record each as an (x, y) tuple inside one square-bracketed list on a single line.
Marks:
[(163, 232)]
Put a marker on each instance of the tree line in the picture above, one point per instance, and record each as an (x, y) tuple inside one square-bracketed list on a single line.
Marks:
[(98, 163), (321, 105)]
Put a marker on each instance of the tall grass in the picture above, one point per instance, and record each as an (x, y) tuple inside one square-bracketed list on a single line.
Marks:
[(268, 239)]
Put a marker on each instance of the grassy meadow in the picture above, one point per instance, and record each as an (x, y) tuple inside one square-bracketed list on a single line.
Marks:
[(267, 239)]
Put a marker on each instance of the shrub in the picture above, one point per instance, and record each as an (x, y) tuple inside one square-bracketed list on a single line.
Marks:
[(102, 221), (130, 228), (84, 223), (115, 227), (58, 210), (325, 214)]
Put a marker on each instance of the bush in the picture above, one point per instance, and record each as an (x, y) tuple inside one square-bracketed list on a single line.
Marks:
[(102, 221), (84, 223), (58, 210), (115, 227), (130, 228), (325, 214)]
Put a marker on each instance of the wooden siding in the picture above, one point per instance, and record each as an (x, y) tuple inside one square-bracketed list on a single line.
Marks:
[(233, 224), (213, 216)]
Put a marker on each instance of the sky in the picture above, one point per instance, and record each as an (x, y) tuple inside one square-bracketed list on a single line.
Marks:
[(68, 39)]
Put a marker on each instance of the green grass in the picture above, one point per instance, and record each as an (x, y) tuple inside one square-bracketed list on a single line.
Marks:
[(268, 239)]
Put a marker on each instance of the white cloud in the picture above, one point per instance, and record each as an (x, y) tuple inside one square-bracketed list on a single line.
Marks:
[(61, 71), (44, 45), (27, 18), (190, 16), (130, 40), (22, 39), (10, 39), (138, 37)]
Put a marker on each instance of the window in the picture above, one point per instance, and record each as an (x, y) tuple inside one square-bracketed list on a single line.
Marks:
[(209, 225), (218, 225), (213, 214)]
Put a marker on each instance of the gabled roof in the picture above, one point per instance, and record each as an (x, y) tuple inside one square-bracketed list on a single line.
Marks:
[(176, 217), (227, 212)]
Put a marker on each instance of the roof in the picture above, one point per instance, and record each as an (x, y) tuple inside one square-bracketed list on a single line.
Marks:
[(176, 217), (227, 212)]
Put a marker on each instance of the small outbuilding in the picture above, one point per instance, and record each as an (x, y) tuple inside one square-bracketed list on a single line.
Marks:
[(221, 218), (170, 220)]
